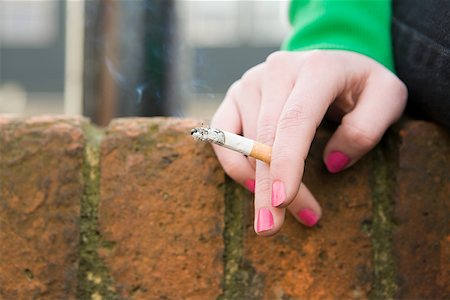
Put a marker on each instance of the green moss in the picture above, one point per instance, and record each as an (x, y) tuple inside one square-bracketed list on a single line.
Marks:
[(93, 276), (240, 278), (142, 143), (153, 127), (145, 141), (383, 181)]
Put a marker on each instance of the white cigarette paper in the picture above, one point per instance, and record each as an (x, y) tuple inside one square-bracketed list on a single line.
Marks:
[(234, 142)]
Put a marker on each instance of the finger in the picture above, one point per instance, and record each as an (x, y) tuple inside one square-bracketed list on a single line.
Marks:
[(276, 86), (317, 85), (381, 103), (305, 208), (248, 100), (235, 164), (247, 97)]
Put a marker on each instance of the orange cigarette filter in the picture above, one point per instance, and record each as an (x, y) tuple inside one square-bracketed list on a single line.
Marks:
[(234, 142)]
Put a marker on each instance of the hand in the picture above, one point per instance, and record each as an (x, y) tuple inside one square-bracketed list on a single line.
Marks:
[(282, 101)]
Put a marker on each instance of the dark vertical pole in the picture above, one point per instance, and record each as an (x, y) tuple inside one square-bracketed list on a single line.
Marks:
[(159, 33), (100, 53), (109, 62), (91, 67), (128, 58)]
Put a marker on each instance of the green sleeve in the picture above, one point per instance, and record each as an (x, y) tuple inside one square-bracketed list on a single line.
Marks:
[(362, 26)]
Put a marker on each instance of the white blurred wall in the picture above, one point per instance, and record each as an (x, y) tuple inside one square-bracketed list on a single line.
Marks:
[(41, 50), (214, 29)]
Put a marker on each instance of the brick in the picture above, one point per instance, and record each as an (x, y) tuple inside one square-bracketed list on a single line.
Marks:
[(161, 218), (41, 160), (332, 260), (161, 210), (421, 240)]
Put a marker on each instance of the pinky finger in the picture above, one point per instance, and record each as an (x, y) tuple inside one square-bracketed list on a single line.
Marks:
[(305, 208)]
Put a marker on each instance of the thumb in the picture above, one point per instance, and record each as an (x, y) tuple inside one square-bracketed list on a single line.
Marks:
[(380, 104)]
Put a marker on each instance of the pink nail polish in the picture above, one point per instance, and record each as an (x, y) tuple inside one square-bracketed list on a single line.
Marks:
[(308, 217), (265, 220), (278, 193), (250, 185), (336, 161)]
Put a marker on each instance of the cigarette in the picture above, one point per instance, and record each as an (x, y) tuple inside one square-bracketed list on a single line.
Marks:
[(234, 142)]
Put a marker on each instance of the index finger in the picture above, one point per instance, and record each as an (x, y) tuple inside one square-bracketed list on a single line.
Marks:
[(319, 82)]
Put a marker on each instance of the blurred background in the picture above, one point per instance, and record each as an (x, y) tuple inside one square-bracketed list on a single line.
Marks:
[(107, 59)]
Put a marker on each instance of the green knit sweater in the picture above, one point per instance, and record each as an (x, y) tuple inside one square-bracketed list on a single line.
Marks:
[(362, 26)]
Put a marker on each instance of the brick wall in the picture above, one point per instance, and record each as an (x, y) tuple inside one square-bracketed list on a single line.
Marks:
[(141, 211)]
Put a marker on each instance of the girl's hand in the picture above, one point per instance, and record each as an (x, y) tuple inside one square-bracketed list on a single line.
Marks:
[(282, 101)]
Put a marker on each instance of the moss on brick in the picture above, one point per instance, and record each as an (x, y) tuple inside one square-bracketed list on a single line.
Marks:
[(153, 128), (94, 280), (381, 230), (240, 278)]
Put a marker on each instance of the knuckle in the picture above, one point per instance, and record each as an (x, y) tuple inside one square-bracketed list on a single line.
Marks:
[(293, 117), (363, 138), (248, 83), (400, 97), (316, 59), (251, 76), (266, 129), (284, 159), (391, 82), (403, 91), (266, 135), (264, 185), (397, 90), (276, 58), (400, 87), (232, 90), (280, 160)]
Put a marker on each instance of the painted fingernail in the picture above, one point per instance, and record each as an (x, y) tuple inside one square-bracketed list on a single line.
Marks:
[(308, 217), (265, 220), (336, 161), (278, 193), (250, 185)]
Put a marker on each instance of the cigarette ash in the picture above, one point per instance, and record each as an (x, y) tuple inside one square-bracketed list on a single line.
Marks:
[(211, 135)]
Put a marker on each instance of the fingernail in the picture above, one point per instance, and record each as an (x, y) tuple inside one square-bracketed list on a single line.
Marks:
[(308, 217), (278, 193), (265, 220), (336, 161), (250, 185)]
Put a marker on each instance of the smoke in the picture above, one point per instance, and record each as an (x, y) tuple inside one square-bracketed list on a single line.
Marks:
[(140, 90), (113, 71), (146, 64)]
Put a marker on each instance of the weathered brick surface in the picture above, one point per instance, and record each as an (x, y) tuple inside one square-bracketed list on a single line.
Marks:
[(155, 208), (40, 192), (331, 261), (161, 209), (422, 212)]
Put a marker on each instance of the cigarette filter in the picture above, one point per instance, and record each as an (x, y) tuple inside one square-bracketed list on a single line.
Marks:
[(234, 142)]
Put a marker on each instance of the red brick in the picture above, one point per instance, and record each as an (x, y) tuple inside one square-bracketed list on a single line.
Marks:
[(422, 212), (332, 260), (161, 209), (41, 161)]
